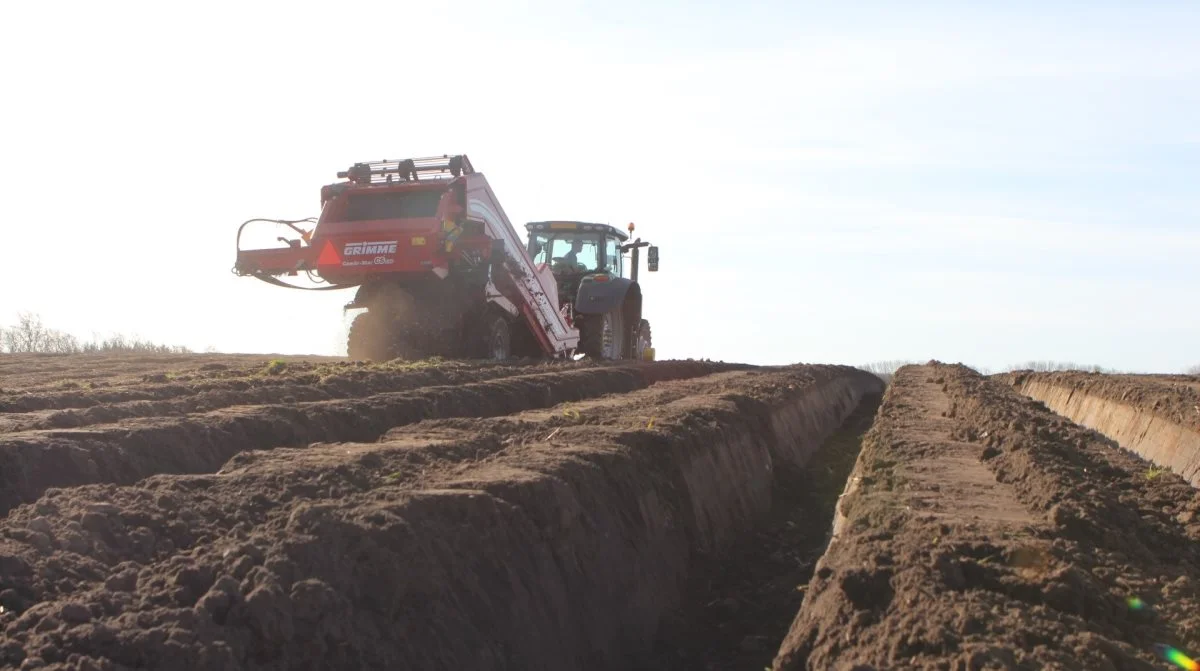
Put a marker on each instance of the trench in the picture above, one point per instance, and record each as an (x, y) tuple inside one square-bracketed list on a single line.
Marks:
[(982, 531), (631, 540), (740, 604), (1154, 438), (566, 548)]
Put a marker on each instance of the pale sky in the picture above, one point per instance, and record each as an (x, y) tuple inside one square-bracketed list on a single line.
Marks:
[(826, 184)]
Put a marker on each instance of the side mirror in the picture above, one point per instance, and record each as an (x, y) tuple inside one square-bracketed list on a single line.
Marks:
[(535, 249), (652, 259)]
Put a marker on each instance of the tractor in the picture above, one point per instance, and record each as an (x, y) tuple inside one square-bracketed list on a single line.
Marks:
[(587, 261)]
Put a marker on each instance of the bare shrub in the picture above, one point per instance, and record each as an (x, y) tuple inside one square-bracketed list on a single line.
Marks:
[(1049, 366), (1194, 370), (122, 343), (884, 370), (30, 335)]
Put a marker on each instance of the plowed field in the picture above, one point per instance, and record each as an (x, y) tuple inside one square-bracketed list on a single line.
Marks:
[(219, 513), (979, 530), (303, 513), (1157, 416)]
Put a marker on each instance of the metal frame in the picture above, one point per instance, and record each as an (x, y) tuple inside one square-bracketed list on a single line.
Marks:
[(607, 229), (408, 169)]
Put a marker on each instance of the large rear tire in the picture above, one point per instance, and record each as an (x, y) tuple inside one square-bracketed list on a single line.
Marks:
[(601, 336), (378, 335), (498, 339)]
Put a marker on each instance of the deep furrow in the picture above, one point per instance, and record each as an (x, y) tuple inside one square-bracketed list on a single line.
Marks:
[(581, 516), (1157, 418), (540, 540), (123, 453), (739, 604), (980, 530)]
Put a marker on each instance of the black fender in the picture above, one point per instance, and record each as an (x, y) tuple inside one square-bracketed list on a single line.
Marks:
[(596, 298)]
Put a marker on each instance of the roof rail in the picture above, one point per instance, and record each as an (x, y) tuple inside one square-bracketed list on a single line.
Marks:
[(408, 169)]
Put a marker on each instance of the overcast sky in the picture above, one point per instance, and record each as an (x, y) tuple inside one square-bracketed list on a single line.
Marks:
[(872, 181)]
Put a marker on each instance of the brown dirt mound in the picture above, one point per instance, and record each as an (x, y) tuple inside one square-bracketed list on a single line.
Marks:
[(1146, 414), (1175, 398), (33, 373), (329, 383), (208, 388), (980, 530), (552, 539), (121, 453)]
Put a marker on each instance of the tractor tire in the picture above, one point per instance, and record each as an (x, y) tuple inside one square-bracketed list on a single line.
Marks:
[(497, 335), (600, 336), (641, 341), (378, 336)]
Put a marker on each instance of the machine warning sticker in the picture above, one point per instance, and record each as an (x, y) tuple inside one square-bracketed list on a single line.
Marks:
[(382, 252)]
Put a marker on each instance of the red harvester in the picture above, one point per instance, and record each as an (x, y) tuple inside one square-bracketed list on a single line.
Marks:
[(441, 270)]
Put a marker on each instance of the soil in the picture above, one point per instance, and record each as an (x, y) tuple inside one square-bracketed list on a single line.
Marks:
[(740, 603), (545, 522), (1175, 398), (29, 373), (981, 531), (217, 512), (1140, 413), (213, 385), (128, 450)]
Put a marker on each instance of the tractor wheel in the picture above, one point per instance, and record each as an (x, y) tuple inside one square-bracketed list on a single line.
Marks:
[(379, 336), (600, 336), (498, 338), (641, 340)]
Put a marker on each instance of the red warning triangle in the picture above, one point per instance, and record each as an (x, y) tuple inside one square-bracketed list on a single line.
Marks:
[(329, 256)]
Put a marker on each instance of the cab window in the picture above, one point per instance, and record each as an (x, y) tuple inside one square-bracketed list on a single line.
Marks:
[(612, 256), (567, 253)]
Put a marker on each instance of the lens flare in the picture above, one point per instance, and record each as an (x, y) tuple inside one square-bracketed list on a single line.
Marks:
[(1135, 603), (1177, 658)]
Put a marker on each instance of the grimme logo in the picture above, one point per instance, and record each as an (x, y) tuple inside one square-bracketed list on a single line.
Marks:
[(366, 248)]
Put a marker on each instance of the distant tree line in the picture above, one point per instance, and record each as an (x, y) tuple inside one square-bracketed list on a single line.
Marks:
[(30, 335), (1048, 366)]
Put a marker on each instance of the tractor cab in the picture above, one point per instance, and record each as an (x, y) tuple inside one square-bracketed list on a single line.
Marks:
[(595, 295), (573, 249)]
